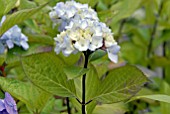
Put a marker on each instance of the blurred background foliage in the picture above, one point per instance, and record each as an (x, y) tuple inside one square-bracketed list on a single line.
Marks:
[(141, 27)]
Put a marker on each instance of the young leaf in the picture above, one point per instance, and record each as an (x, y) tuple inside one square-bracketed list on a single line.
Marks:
[(45, 70), (18, 17), (120, 84), (97, 55)]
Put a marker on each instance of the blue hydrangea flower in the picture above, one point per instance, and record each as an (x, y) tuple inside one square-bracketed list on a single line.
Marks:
[(13, 37), (8, 105)]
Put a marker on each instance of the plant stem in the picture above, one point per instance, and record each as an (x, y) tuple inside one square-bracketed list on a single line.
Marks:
[(68, 105), (154, 29), (122, 23), (164, 54), (86, 54)]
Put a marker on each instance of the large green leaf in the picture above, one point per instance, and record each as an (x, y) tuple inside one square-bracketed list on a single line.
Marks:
[(116, 108), (72, 59), (13, 55), (74, 71), (165, 90), (46, 71), (26, 92), (92, 83), (6, 6), (18, 17), (158, 97), (120, 84)]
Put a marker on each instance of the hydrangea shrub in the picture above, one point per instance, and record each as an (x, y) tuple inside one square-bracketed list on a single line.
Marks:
[(81, 64)]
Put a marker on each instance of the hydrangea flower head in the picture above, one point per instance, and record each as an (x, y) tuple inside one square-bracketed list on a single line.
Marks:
[(82, 30), (12, 37), (8, 105)]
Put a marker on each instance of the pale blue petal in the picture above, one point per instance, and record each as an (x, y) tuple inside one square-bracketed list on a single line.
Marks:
[(10, 44), (2, 105), (2, 48)]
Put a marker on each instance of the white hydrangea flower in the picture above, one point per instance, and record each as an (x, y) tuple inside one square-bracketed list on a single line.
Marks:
[(12, 37), (81, 31)]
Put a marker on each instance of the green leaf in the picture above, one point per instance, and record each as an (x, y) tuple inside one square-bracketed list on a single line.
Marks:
[(44, 39), (101, 65), (27, 93), (89, 2), (25, 4), (14, 54), (92, 83), (45, 70), (18, 17), (49, 106), (159, 61), (2, 58), (72, 59), (6, 6), (116, 108), (165, 89), (127, 47), (89, 107), (100, 61), (158, 97), (74, 71), (97, 55), (122, 9), (164, 38), (120, 84)]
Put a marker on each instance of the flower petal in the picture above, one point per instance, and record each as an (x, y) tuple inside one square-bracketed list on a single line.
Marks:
[(10, 104), (82, 44), (113, 57), (10, 44), (97, 42), (24, 45), (2, 105), (112, 52)]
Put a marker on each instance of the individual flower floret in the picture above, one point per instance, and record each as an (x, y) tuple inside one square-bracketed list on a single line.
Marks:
[(8, 105), (12, 37)]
